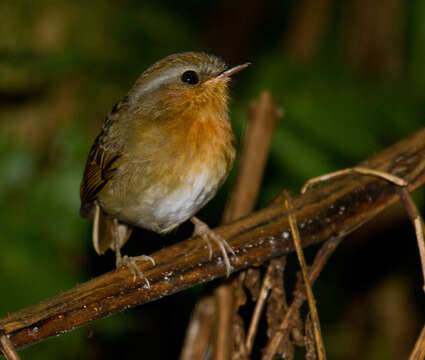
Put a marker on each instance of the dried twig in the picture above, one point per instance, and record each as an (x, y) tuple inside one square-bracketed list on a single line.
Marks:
[(7, 348), (333, 209), (411, 210), (418, 352), (265, 288), (405, 197), (263, 116), (311, 302), (277, 306), (310, 351), (199, 331), (319, 262), (380, 174), (224, 309)]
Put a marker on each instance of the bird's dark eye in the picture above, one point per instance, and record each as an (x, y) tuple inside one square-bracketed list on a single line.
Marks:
[(190, 77)]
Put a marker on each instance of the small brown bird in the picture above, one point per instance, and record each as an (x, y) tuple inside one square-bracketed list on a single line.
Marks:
[(163, 152)]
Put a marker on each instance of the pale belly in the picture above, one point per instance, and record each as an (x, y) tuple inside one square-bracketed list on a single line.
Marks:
[(168, 209), (160, 208)]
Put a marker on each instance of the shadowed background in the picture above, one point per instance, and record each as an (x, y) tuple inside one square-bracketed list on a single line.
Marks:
[(351, 77)]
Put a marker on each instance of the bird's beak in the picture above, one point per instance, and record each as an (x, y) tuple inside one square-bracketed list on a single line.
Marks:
[(232, 70)]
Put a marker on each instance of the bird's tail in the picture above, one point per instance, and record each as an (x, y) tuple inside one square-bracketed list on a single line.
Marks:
[(108, 232)]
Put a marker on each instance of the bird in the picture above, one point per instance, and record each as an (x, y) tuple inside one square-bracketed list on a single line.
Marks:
[(163, 152)]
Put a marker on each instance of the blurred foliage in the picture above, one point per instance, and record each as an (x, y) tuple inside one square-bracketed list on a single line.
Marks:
[(350, 76)]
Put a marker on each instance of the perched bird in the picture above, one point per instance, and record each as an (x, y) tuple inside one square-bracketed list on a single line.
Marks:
[(163, 152)]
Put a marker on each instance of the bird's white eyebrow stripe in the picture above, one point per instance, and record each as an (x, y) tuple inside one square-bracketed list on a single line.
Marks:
[(158, 80)]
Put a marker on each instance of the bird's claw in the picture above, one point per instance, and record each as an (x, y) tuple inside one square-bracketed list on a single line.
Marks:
[(207, 235), (130, 263)]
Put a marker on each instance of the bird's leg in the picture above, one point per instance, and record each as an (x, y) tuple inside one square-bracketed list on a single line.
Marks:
[(122, 232), (117, 246), (207, 234)]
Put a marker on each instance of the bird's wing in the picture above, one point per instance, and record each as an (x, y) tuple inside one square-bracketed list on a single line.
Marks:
[(102, 160), (100, 168), (98, 171)]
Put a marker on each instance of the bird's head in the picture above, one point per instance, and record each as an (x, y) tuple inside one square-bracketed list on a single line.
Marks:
[(188, 81)]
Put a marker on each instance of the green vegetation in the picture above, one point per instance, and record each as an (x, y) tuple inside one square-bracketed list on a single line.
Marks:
[(347, 94)]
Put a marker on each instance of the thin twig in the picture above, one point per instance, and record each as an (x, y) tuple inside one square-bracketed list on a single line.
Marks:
[(311, 301), (414, 215), (322, 256), (418, 352), (315, 269), (223, 295), (361, 170), (333, 209), (253, 326), (263, 117), (199, 331), (8, 350), (405, 197), (262, 297)]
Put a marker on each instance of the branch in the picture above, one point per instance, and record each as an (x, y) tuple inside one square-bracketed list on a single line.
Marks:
[(332, 209)]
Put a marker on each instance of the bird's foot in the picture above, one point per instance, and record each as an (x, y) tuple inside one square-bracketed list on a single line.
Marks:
[(207, 234), (130, 263)]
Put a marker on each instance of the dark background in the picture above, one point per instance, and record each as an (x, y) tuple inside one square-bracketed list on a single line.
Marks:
[(351, 78)]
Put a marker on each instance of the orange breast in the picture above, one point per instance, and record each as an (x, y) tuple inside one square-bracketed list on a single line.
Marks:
[(172, 173)]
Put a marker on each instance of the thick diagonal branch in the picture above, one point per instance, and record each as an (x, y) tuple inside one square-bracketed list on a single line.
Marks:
[(329, 210)]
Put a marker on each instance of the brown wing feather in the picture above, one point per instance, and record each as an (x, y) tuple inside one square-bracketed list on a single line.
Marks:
[(105, 151), (99, 170)]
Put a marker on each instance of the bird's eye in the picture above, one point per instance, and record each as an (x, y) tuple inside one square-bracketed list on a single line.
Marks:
[(190, 77)]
